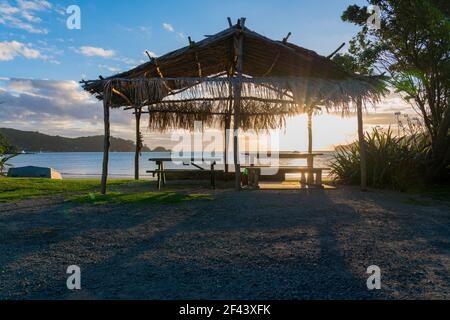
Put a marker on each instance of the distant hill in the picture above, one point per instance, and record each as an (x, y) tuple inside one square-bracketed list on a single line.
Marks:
[(36, 142)]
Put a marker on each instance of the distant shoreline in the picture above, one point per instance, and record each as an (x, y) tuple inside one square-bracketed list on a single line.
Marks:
[(43, 152), (156, 151), (35, 142)]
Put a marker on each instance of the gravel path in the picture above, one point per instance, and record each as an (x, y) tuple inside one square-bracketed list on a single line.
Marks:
[(251, 245)]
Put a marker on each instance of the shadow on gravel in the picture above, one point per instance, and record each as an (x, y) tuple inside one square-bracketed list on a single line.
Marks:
[(249, 245), (36, 230), (411, 244)]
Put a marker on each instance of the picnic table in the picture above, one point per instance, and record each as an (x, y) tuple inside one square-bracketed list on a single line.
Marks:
[(309, 174), (287, 155), (161, 170)]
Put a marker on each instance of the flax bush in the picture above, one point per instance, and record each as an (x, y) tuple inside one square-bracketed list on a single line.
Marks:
[(396, 163)]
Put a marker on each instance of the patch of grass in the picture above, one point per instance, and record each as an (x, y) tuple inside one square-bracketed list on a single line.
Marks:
[(429, 195), (138, 198), (441, 193), (436, 192), (15, 189), (418, 202)]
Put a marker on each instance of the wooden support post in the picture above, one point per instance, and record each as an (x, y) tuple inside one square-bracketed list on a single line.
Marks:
[(310, 138), (362, 145), (230, 73), (158, 163), (106, 146), (256, 181), (163, 174), (319, 178), (310, 159), (213, 175), (225, 141), (237, 165), (239, 51), (137, 153), (303, 179)]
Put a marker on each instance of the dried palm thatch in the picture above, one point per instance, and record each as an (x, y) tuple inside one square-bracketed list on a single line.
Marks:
[(195, 83), (265, 102)]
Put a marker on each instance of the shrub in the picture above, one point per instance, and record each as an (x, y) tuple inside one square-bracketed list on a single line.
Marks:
[(396, 163), (7, 152)]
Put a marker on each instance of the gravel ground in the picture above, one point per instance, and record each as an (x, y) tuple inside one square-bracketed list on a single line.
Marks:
[(313, 244)]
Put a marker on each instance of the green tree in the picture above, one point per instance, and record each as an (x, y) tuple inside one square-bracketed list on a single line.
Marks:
[(412, 48), (7, 152)]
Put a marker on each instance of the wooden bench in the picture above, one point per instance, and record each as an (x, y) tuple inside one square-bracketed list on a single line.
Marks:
[(314, 174), (161, 175), (161, 181)]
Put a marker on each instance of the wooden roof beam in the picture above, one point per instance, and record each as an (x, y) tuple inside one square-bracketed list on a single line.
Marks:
[(285, 39), (199, 66), (281, 101), (241, 23), (123, 96), (336, 51), (279, 113), (155, 64)]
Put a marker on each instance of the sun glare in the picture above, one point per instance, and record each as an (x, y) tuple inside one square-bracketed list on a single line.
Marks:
[(328, 132)]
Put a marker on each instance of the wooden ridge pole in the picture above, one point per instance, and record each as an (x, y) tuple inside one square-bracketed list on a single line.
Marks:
[(362, 145), (106, 146)]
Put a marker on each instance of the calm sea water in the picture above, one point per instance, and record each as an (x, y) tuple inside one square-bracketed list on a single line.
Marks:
[(121, 164)]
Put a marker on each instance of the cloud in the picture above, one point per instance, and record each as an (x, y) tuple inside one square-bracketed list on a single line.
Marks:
[(10, 50), (24, 15), (128, 61), (168, 27), (145, 30), (34, 5), (29, 17), (61, 107), (109, 68), (96, 52), (44, 99)]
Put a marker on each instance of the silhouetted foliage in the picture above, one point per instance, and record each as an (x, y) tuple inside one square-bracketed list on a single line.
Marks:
[(396, 163), (7, 152), (412, 47)]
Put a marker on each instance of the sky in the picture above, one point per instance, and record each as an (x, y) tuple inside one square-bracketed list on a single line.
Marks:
[(42, 60)]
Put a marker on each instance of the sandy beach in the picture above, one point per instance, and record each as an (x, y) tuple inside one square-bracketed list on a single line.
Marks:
[(313, 244)]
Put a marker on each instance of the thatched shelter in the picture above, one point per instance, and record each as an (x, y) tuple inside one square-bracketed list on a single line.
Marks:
[(236, 75)]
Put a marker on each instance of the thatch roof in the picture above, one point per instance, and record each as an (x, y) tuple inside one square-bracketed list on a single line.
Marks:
[(193, 83)]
